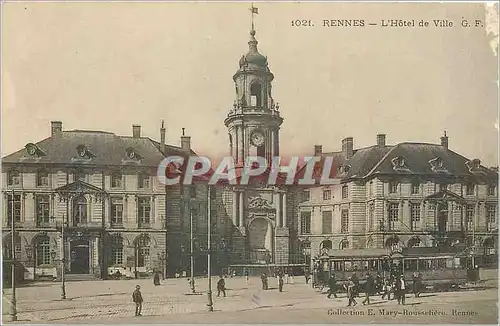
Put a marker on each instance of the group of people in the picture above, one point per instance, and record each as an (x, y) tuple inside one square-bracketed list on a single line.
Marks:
[(394, 284)]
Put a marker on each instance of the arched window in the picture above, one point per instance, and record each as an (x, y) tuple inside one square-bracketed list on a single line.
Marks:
[(326, 244), (42, 178), (143, 253), (392, 241), (7, 246), (14, 178), (256, 94), (344, 244), (42, 251), (116, 250), (80, 211)]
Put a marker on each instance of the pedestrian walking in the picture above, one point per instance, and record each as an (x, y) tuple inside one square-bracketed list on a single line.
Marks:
[(417, 284), (401, 289), (290, 276), (156, 279), (351, 292), (286, 276), (355, 280), (265, 285), (332, 284), (387, 289), (221, 286), (307, 275), (280, 283), (247, 274), (369, 284), (137, 298)]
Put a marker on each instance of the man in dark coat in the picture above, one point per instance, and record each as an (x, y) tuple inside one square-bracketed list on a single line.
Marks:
[(156, 278), (400, 289), (332, 284), (369, 285), (355, 280), (137, 298), (280, 283), (221, 286)]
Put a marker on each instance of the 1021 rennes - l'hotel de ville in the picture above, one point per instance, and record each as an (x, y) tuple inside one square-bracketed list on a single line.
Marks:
[(117, 215)]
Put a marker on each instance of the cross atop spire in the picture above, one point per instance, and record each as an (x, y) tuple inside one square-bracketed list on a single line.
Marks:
[(254, 11)]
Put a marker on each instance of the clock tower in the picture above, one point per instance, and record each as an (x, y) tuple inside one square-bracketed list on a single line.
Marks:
[(254, 121)]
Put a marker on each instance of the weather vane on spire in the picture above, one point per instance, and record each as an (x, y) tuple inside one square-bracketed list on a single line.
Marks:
[(254, 11)]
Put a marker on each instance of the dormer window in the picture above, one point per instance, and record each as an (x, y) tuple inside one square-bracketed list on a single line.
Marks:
[(399, 164), (132, 154), (344, 169), (116, 180), (469, 190), (14, 178), (33, 150), (474, 166), (83, 152), (42, 178), (437, 165)]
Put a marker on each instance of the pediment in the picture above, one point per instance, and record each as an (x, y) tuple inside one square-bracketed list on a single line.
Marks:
[(79, 187)]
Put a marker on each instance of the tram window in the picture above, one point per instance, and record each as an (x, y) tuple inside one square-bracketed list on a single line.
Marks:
[(457, 263), (449, 263), (365, 264), (356, 265), (325, 266), (348, 266), (372, 265), (441, 263), (411, 264), (422, 264)]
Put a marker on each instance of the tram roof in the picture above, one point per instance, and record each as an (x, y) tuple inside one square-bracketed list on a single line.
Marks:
[(384, 252)]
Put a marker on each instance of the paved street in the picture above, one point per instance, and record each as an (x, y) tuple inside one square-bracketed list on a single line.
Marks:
[(111, 302)]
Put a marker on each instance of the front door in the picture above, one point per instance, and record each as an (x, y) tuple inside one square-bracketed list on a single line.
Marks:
[(80, 258)]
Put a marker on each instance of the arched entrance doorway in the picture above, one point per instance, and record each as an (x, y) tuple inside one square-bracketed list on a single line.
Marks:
[(260, 240)]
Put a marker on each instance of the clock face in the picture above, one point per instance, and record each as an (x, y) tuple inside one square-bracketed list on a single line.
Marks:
[(257, 139)]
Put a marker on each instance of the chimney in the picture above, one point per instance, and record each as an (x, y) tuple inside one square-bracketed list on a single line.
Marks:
[(136, 131), (56, 127), (444, 140), (347, 147), (185, 141), (381, 140), (162, 137), (318, 150)]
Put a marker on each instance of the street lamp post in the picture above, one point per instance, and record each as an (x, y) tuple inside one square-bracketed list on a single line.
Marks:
[(192, 253), (209, 241), (13, 263), (62, 255)]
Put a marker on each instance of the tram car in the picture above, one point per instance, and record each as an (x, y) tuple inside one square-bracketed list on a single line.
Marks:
[(437, 268)]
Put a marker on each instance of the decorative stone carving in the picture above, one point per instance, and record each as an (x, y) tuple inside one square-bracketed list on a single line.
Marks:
[(258, 203)]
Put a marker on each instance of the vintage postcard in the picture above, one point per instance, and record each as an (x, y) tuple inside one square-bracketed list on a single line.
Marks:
[(257, 163)]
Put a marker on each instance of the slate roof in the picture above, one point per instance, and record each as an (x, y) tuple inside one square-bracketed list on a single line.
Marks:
[(375, 160), (107, 149)]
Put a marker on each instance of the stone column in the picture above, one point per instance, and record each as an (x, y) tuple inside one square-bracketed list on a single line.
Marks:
[(450, 226), (235, 204), (241, 224), (285, 220), (241, 158), (277, 197), (422, 216)]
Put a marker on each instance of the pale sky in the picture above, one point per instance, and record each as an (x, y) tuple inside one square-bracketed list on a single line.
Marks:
[(106, 66)]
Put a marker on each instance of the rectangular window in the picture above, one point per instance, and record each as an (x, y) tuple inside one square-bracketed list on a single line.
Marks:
[(327, 222), (344, 221), (16, 204), (415, 215), (371, 215), (491, 190), (116, 212), (327, 194), (43, 252), (305, 222), (42, 179), (345, 191), (393, 212), (370, 189), (469, 214), (43, 210), (143, 181), (144, 207), (415, 188), (116, 180), (469, 189), (393, 187), (14, 178), (116, 251), (305, 196), (192, 191), (490, 214)]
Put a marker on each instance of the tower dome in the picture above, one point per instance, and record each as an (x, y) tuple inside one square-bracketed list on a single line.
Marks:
[(253, 57)]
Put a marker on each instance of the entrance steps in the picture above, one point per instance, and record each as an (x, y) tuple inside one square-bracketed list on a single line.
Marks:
[(80, 277)]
